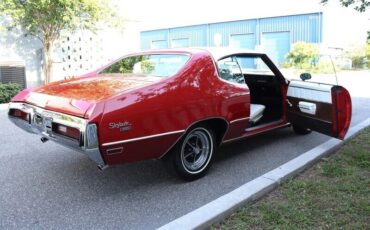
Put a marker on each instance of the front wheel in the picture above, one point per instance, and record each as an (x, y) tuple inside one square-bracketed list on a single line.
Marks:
[(301, 130), (192, 156)]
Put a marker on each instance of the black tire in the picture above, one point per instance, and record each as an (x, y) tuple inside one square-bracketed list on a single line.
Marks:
[(300, 130), (192, 156)]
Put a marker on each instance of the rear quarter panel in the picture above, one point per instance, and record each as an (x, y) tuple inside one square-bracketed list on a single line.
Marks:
[(170, 106)]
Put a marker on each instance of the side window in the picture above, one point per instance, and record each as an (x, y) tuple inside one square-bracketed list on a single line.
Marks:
[(253, 65), (229, 70)]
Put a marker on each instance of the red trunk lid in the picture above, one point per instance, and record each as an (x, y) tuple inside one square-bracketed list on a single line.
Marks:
[(77, 96)]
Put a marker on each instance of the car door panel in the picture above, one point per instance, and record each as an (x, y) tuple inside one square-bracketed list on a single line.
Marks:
[(320, 107)]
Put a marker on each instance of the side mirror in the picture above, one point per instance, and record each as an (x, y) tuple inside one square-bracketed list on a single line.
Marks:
[(305, 76)]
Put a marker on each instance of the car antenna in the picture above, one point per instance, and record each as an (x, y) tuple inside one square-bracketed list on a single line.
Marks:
[(335, 71)]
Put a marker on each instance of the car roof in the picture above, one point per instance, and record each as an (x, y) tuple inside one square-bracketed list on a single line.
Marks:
[(220, 52), (216, 52)]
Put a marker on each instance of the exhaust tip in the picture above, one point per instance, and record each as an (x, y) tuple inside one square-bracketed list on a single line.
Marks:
[(44, 139)]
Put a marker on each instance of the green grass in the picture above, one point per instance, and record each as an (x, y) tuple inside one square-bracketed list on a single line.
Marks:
[(334, 194)]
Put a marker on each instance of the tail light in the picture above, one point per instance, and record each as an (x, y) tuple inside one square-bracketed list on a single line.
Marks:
[(20, 114), (66, 131)]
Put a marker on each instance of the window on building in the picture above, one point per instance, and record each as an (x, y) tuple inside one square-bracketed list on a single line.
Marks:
[(245, 41), (158, 44), (180, 42)]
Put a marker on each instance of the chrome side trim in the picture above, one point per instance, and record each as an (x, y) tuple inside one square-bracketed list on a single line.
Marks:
[(240, 119), (142, 138)]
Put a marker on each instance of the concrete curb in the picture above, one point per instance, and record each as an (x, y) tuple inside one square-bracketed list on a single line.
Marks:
[(223, 206), (4, 107)]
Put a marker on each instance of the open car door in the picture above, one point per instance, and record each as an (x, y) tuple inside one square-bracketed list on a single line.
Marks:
[(320, 107)]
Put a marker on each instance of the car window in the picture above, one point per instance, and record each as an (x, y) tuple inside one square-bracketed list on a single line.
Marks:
[(160, 65), (253, 65), (230, 70)]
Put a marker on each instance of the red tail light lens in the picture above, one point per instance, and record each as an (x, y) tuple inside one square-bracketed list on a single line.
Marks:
[(67, 131), (20, 114)]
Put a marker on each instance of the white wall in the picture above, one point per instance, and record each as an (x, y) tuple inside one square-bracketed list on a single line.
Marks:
[(15, 47), (95, 49), (83, 51)]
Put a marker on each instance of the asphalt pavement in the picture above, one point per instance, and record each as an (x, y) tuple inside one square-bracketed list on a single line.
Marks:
[(47, 186)]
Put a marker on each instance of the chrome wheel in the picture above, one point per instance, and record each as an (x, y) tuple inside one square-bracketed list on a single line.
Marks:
[(196, 150)]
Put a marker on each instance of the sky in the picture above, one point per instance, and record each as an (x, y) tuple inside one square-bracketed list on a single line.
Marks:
[(168, 13)]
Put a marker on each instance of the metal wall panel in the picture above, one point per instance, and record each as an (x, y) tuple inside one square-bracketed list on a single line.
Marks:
[(245, 41), (195, 35), (226, 29), (158, 36), (276, 45), (304, 27)]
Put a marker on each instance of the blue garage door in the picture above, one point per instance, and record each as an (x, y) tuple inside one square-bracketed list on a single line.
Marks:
[(180, 42), (276, 45), (245, 41), (159, 44)]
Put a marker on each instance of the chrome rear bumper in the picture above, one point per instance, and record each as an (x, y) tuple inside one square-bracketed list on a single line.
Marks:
[(42, 122)]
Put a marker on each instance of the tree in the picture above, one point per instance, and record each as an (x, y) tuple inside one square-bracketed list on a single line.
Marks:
[(45, 19), (303, 55), (359, 5), (357, 53)]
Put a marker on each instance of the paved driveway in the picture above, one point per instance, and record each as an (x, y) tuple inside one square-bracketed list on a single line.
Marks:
[(47, 186)]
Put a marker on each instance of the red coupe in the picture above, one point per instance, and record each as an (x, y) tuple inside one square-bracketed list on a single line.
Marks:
[(178, 105)]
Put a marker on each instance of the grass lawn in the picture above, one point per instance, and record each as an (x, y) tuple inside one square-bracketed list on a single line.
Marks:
[(334, 194)]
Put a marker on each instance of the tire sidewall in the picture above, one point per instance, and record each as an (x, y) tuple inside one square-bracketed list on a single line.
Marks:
[(180, 167)]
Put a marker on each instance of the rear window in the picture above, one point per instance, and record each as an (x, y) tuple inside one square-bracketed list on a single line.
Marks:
[(159, 65)]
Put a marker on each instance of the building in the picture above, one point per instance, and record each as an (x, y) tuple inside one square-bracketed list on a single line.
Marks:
[(267, 25), (273, 35), (74, 54)]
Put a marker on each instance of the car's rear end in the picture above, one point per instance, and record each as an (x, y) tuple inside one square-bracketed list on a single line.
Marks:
[(68, 112), (81, 113), (70, 128)]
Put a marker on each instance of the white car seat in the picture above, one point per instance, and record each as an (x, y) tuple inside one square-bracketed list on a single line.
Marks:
[(256, 112)]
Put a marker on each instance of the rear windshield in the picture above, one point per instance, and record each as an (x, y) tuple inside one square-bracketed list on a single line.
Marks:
[(160, 65)]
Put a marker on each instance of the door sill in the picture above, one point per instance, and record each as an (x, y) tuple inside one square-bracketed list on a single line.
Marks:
[(260, 129)]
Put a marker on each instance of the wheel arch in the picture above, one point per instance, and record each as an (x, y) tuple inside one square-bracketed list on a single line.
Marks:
[(219, 126)]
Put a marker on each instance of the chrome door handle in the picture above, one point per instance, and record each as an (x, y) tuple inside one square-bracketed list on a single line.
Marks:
[(290, 104)]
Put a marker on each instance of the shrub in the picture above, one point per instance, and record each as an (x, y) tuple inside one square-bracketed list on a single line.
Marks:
[(7, 91), (358, 56), (303, 55), (368, 53)]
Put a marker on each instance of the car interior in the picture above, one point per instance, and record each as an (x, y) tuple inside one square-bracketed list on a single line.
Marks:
[(266, 99), (265, 88)]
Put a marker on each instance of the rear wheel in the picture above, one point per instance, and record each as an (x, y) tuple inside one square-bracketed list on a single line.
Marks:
[(192, 156), (301, 130)]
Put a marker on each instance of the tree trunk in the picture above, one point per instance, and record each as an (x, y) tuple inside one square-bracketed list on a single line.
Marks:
[(48, 61)]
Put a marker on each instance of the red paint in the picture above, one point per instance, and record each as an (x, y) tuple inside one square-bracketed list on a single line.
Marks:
[(154, 106)]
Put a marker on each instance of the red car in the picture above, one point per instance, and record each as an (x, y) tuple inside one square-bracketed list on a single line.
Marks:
[(178, 105)]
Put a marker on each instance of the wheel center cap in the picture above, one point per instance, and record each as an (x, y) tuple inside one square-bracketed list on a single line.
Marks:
[(197, 150)]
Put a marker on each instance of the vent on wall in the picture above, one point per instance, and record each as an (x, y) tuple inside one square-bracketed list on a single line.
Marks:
[(13, 73)]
